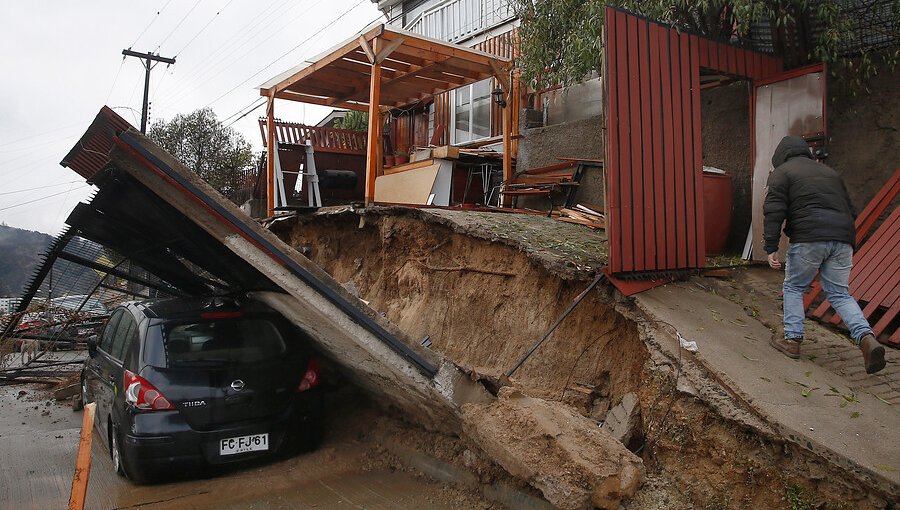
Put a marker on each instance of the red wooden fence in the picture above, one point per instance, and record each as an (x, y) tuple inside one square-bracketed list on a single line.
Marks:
[(345, 141), (653, 148)]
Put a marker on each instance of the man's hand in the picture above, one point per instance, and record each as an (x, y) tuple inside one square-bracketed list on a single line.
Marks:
[(774, 263)]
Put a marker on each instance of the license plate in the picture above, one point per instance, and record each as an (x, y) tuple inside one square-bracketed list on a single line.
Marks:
[(242, 444)]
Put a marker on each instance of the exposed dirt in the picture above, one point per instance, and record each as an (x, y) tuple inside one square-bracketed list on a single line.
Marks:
[(483, 300)]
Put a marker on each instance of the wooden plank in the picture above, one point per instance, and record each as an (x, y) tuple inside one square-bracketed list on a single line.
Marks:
[(408, 166), (635, 173), (388, 49), (624, 220), (669, 169), (552, 168), (306, 98), (648, 183), (445, 152), (83, 459), (270, 157), (611, 151), (678, 95), (374, 162), (658, 145), (364, 45)]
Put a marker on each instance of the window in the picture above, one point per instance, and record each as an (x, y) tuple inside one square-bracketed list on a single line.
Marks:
[(230, 340), (124, 333), (472, 112), (106, 342)]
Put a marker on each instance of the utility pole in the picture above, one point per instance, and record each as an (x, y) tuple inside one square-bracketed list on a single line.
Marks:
[(148, 59)]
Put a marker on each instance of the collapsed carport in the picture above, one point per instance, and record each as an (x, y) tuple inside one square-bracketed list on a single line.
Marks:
[(191, 241)]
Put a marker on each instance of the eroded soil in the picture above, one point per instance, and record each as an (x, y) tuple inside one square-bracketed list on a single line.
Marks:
[(483, 300)]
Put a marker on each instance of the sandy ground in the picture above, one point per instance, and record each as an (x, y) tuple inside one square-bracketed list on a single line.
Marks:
[(39, 438)]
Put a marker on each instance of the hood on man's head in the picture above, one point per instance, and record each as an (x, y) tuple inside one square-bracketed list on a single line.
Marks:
[(790, 147)]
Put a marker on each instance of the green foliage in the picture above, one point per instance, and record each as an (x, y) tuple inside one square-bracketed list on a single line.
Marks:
[(218, 154), (354, 120), (561, 40), (798, 498)]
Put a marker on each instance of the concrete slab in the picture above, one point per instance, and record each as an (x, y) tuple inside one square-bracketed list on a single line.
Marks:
[(808, 404)]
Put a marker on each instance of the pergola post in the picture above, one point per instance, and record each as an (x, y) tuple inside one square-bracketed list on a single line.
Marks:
[(374, 157), (507, 138), (271, 154)]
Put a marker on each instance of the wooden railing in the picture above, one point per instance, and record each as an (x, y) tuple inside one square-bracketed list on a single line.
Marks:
[(323, 139)]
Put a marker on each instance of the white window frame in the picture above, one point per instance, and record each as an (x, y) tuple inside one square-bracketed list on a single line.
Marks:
[(453, 103)]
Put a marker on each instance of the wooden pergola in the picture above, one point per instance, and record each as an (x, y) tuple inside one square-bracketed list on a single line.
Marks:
[(378, 71)]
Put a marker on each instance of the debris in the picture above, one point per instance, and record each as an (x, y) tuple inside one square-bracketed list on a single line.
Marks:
[(66, 392), (564, 455), (688, 345), (624, 420)]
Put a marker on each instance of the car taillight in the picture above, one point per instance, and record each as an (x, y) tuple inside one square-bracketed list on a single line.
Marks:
[(142, 395), (311, 377)]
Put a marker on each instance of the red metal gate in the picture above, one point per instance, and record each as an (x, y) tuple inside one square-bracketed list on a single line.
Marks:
[(653, 148)]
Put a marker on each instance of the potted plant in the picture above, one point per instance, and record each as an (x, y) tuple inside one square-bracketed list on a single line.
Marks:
[(389, 160), (401, 156)]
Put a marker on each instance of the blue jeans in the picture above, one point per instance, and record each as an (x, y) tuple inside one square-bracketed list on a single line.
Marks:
[(833, 260)]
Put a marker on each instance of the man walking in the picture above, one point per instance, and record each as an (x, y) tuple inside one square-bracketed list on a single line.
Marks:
[(813, 199)]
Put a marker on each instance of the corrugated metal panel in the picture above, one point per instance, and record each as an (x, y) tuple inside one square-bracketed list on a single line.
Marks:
[(653, 149), (91, 153)]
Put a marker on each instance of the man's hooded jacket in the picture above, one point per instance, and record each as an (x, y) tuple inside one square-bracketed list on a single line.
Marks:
[(809, 195)]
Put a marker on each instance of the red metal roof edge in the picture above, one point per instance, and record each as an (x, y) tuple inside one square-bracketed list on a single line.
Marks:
[(91, 152)]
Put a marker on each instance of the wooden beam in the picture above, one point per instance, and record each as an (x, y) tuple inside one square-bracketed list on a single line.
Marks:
[(501, 75), (374, 161), (450, 50), (83, 459), (306, 98), (366, 49), (388, 49), (507, 142), (271, 154)]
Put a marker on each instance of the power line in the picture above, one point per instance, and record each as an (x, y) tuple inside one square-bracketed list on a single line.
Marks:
[(38, 187), (335, 20), (70, 126), (226, 52), (149, 24), (234, 39), (183, 18), (42, 198), (248, 112), (208, 23)]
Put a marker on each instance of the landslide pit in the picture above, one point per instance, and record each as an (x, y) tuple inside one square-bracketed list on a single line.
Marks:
[(483, 287)]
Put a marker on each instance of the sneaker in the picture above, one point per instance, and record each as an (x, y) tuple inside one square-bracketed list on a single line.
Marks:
[(790, 347), (873, 353)]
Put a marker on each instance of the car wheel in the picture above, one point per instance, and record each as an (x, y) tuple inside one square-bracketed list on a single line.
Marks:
[(115, 452)]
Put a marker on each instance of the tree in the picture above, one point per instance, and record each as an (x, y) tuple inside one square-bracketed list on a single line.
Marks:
[(218, 154), (561, 40)]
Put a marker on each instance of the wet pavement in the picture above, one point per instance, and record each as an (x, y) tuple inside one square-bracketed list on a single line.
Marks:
[(39, 440)]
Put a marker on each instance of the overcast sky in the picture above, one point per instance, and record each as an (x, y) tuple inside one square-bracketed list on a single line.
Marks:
[(62, 61)]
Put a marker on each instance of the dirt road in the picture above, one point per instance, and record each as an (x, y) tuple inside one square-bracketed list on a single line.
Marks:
[(38, 441)]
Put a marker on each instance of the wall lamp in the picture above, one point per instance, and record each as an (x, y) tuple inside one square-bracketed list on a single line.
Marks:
[(498, 97)]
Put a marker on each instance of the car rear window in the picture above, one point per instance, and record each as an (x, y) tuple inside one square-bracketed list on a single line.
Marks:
[(230, 340)]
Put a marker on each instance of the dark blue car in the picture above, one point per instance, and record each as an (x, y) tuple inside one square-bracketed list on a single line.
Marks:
[(200, 382)]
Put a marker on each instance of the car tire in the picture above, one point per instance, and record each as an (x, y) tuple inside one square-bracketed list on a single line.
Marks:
[(78, 401), (115, 453)]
